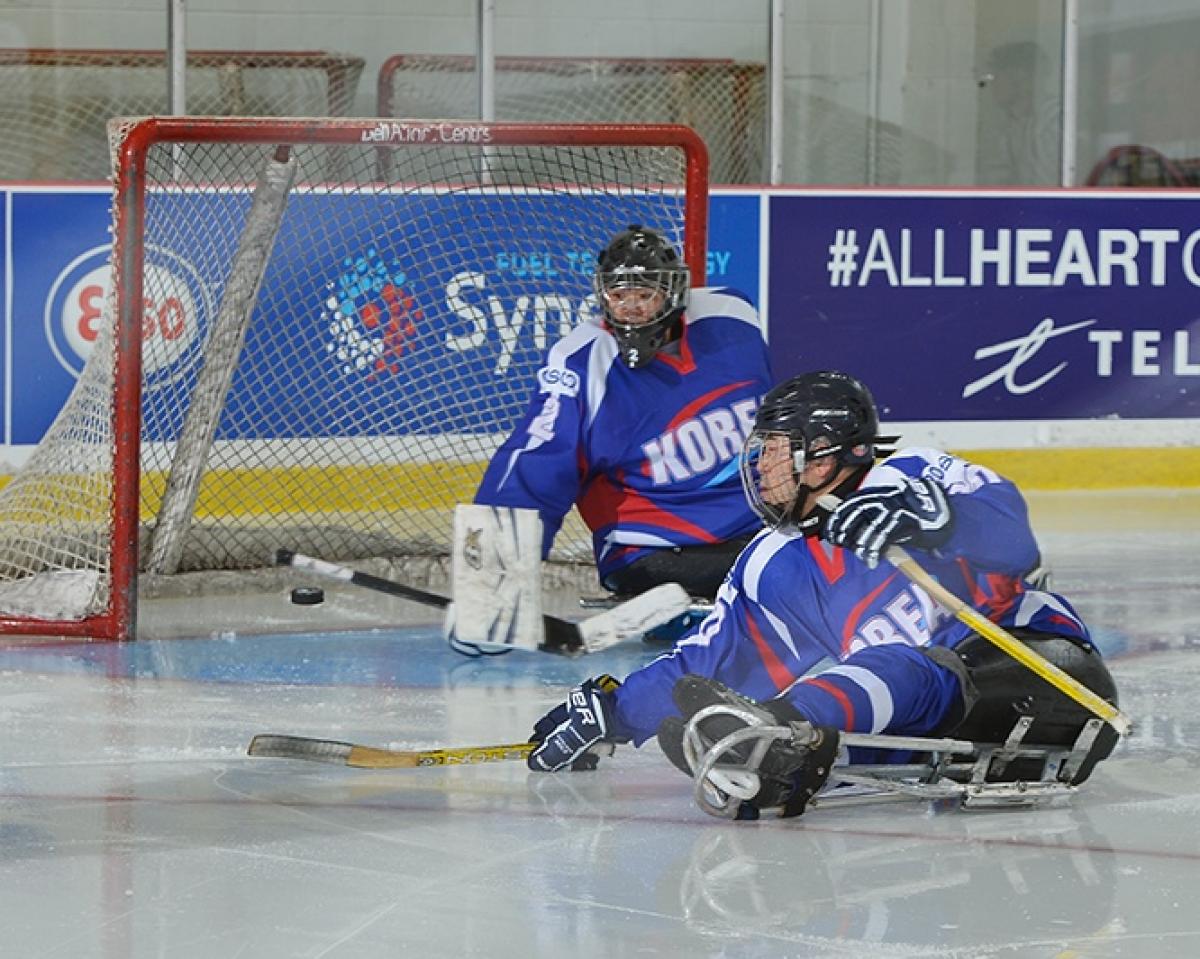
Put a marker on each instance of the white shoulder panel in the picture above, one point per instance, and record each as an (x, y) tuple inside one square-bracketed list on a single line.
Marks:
[(706, 301)]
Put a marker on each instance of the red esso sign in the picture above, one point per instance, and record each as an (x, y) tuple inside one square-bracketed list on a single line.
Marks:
[(169, 315), (82, 310)]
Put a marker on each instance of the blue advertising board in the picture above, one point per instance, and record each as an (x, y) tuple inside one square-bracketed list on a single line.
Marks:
[(954, 306), (475, 311), (993, 307), (59, 256), (733, 242)]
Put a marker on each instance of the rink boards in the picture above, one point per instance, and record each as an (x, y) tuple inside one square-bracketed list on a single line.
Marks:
[(1044, 332)]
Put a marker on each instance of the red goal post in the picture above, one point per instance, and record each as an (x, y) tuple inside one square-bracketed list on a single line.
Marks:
[(305, 355)]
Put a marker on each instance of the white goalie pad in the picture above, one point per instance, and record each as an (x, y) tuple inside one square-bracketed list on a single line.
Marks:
[(635, 617), (496, 574)]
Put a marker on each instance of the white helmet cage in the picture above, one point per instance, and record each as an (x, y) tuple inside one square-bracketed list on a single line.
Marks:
[(769, 495)]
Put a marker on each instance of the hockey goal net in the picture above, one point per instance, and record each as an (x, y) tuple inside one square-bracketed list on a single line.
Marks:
[(309, 355), (54, 103), (725, 101)]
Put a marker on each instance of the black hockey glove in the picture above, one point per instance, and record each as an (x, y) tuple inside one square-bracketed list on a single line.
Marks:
[(568, 735), (868, 521)]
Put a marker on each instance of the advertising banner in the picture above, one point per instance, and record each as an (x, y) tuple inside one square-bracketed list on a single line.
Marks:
[(475, 310), (733, 242), (59, 279), (952, 306), (957, 306)]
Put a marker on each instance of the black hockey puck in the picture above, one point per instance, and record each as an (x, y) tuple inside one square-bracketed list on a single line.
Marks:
[(308, 595)]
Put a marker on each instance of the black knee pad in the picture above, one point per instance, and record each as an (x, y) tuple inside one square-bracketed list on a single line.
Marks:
[(670, 741), (1008, 691), (698, 569)]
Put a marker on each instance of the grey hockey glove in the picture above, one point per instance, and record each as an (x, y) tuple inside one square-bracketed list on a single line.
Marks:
[(869, 521), (572, 733)]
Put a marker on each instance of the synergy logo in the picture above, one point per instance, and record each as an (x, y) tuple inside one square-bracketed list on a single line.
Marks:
[(370, 318), (176, 305)]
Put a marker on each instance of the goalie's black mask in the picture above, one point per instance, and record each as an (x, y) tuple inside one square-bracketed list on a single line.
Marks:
[(642, 286), (806, 418)]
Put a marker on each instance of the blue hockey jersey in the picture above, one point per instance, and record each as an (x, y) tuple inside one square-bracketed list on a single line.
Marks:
[(791, 602), (649, 455)]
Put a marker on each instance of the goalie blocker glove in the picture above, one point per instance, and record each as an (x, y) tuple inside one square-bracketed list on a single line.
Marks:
[(568, 735), (869, 521)]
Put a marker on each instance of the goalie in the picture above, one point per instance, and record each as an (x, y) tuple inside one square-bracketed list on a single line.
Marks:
[(815, 586), (639, 419)]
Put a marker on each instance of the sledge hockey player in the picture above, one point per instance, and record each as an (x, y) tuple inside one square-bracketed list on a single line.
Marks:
[(639, 419), (815, 586)]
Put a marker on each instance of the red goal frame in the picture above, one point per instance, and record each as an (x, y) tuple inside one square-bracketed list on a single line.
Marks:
[(119, 620)]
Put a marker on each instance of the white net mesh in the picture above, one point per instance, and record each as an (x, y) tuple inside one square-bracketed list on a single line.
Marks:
[(723, 100), (54, 103), (390, 348)]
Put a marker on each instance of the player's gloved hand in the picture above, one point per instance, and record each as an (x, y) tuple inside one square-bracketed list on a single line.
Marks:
[(916, 511), (568, 735)]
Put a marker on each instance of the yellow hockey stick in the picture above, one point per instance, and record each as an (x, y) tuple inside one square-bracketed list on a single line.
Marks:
[(371, 757), (1066, 684)]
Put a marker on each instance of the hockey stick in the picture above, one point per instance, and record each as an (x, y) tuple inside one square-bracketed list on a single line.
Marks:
[(562, 636), (882, 782), (370, 757), (1065, 683), (633, 617)]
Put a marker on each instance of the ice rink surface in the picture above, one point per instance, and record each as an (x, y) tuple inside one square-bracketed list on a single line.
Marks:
[(132, 824)]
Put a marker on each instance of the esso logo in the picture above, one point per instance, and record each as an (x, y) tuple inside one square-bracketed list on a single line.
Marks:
[(175, 311), (171, 319), (559, 381), (83, 309)]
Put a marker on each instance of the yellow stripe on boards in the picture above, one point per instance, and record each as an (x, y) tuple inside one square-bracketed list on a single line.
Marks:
[(1080, 468), (325, 490), (439, 486)]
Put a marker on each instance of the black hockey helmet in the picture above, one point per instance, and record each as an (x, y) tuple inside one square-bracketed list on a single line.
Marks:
[(639, 257), (819, 415)]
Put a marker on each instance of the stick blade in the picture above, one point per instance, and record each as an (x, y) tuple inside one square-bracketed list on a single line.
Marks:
[(338, 753), (275, 746)]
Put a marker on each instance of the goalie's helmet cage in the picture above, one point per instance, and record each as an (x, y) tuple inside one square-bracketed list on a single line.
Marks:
[(821, 414), (641, 258)]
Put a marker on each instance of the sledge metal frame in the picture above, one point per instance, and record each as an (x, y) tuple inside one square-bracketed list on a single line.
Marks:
[(970, 773)]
